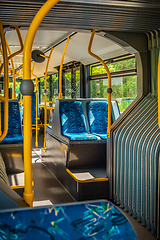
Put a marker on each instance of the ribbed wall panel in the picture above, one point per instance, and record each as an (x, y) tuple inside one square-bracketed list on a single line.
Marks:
[(136, 144)]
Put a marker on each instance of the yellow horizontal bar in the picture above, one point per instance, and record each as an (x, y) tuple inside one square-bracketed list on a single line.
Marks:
[(44, 149), (43, 56), (50, 107), (20, 186), (86, 180)]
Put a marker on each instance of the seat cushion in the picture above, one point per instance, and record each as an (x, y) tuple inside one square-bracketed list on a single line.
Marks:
[(102, 136), (81, 136), (12, 140)]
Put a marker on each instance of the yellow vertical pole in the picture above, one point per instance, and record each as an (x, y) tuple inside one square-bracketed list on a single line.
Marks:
[(159, 90), (0, 101), (45, 94), (60, 70), (28, 193), (109, 80), (6, 83), (36, 142)]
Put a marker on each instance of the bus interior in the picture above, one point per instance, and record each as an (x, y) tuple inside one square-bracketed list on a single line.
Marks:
[(79, 92)]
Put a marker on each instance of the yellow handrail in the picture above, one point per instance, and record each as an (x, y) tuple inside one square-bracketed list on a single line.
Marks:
[(45, 100), (159, 90), (36, 142), (28, 193), (13, 69), (60, 70), (6, 83), (14, 54), (1, 51), (109, 80)]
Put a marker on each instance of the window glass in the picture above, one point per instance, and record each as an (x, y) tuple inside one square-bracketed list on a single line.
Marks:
[(67, 85), (42, 97), (124, 90), (115, 66), (54, 87), (77, 74)]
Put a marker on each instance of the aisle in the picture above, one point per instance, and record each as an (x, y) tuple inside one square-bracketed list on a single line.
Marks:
[(47, 189)]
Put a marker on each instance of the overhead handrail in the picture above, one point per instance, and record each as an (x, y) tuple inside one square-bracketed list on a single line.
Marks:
[(6, 83), (109, 90), (45, 92), (60, 70), (13, 70), (13, 55), (28, 193), (36, 142)]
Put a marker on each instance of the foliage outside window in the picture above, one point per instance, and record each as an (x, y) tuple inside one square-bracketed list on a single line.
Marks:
[(54, 87), (72, 88), (42, 96), (115, 66), (124, 89), (67, 85), (77, 75)]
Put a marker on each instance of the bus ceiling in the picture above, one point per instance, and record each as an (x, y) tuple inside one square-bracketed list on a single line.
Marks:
[(133, 16)]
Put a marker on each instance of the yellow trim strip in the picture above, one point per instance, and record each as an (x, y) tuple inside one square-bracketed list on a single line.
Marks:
[(86, 180), (60, 70), (27, 146), (109, 79)]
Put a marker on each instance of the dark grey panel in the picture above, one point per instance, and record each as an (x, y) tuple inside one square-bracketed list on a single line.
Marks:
[(141, 16)]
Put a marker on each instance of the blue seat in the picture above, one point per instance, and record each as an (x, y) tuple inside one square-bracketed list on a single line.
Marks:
[(97, 112), (14, 135), (73, 121), (33, 107)]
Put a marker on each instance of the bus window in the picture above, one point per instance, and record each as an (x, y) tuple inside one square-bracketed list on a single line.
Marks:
[(54, 87), (72, 84), (42, 95), (124, 81)]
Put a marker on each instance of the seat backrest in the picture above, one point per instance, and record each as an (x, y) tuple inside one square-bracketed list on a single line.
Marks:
[(14, 120), (72, 117), (115, 110), (97, 112)]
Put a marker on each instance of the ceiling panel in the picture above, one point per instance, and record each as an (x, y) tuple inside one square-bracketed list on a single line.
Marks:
[(141, 16)]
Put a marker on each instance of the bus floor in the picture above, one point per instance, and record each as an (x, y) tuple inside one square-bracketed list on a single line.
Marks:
[(47, 189)]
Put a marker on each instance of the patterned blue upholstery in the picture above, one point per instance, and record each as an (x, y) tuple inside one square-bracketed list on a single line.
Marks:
[(34, 107), (14, 135), (73, 121), (97, 112), (81, 136)]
